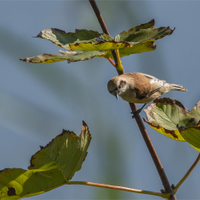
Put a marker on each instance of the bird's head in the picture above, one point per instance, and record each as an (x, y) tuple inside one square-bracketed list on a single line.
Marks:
[(116, 86)]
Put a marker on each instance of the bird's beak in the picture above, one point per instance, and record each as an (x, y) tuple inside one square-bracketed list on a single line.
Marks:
[(116, 95)]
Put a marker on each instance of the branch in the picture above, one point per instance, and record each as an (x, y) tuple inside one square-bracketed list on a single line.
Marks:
[(105, 30), (164, 195), (153, 153), (187, 174), (139, 121)]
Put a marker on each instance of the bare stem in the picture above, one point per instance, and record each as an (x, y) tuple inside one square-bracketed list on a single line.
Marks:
[(187, 174), (105, 30), (164, 195), (153, 153), (139, 121)]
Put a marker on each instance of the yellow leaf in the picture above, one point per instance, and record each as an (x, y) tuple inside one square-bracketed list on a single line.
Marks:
[(172, 134), (101, 46)]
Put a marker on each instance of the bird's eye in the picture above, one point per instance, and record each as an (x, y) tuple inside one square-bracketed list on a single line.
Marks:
[(119, 86)]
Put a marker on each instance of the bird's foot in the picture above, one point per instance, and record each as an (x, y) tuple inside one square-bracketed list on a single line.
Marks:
[(135, 113)]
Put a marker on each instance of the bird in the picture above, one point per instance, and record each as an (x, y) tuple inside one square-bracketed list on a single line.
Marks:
[(138, 87)]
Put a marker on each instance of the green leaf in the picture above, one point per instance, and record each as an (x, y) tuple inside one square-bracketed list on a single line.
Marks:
[(100, 46), (196, 111), (138, 48), (141, 38), (144, 35), (172, 119), (70, 56), (63, 39), (51, 167), (83, 55), (165, 115), (45, 58), (192, 136), (136, 40), (123, 36), (172, 134)]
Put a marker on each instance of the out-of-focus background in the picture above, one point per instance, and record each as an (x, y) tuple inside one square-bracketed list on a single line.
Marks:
[(37, 101)]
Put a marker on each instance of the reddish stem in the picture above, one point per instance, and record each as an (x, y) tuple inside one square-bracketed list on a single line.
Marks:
[(112, 63)]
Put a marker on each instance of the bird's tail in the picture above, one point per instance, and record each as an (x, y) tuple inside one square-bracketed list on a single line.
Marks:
[(178, 87)]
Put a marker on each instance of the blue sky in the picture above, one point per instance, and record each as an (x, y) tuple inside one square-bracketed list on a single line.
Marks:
[(38, 101)]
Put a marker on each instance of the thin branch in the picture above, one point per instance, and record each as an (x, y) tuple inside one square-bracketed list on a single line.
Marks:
[(105, 30), (164, 195), (187, 174), (139, 121), (99, 17), (153, 153)]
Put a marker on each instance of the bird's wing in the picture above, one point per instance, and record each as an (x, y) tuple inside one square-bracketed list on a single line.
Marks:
[(156, 84)]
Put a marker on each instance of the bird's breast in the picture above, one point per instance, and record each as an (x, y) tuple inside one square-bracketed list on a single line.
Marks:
[(134, 96)]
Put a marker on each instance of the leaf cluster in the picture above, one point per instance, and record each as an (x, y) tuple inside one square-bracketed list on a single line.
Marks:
[(172, 119), (86, 44), (51, 167)]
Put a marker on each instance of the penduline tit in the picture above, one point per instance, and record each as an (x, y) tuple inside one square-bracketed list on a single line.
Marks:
[(140, 88)]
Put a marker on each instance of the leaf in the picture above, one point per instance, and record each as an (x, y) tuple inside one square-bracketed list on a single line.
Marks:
[(165, 115), (100, 46), (51, 167), (172, 134), (18, 183), (70, 56), (196, 110), (192, 136), (138, 48), (81, 40), (136, 40), (84, 55), (123, 36), (141, 38), (45, 58), (172, 119), (63, 39), (143, 33)]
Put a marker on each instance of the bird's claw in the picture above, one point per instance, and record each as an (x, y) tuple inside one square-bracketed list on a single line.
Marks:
[(135, 113)]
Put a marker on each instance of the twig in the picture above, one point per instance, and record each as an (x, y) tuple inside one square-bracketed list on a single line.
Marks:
[(187, 174), (105, 30), (164, 195), (139, 121), (99, 16), (153, 153)]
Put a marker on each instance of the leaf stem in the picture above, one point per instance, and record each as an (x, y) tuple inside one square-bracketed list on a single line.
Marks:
[(119, 63), (164, 195), (187, 174), (139, 121), (112, 63)]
